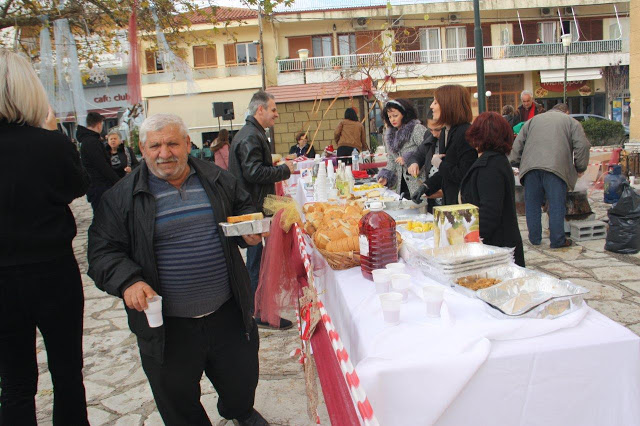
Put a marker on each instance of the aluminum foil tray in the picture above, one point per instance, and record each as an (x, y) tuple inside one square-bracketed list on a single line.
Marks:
[(535, 296), (449, 277), (246, 228), (502, 273), (464, 253)]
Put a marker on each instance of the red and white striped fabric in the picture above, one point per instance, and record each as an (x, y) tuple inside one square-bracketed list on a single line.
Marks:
[(359, 398)]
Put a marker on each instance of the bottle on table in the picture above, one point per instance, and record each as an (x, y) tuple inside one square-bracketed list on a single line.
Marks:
[(340, 178), (378, 244), (355, 159), (350, 180)]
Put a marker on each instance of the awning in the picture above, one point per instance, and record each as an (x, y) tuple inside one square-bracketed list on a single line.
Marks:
[(310, 92), (577, 74)]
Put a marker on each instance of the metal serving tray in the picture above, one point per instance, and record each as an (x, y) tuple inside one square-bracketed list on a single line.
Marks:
[(534, 296), (464, 254)]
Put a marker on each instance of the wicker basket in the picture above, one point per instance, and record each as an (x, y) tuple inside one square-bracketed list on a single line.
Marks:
[(347, 259)]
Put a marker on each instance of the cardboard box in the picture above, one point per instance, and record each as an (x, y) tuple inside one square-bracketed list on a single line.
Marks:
[(457, 224)]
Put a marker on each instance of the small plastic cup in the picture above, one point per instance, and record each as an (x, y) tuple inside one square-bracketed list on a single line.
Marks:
[(396, 267), (333, 194), (154, 311), (401, 283), (433, 299), (632, 180), (382, 278), (391, 303)]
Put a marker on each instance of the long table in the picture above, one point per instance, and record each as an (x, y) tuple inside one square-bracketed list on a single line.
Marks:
[(470, 368)]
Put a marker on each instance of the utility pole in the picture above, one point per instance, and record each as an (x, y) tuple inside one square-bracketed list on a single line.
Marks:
[(263, 72), (477, 35)]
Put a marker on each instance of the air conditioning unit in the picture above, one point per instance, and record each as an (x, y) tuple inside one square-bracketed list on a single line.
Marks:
[(397, 22), (568, 11), (359, 23), (546, 11), (453, 18)]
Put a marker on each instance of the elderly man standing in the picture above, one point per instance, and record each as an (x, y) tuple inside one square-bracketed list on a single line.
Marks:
[(529, 107), (552, 151), (156, 233), (250, 162)]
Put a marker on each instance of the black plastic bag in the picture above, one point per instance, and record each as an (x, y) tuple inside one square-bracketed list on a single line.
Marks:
[(624, 223)]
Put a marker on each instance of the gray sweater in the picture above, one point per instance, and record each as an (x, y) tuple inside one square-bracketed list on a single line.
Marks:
[(553, 142)]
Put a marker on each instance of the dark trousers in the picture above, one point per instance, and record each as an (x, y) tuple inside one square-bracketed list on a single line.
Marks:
[(345, 151), (216, 345), (537, 185), (254, 256), (94, 194), (48, 296)]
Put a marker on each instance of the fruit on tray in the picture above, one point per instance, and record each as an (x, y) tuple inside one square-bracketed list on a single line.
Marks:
[(415, 226), (367, 187)]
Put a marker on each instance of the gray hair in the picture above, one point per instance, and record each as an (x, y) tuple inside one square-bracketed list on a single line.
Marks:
[(526, 92), (157, 122), (259, 99), (561, 107), (114, 131)]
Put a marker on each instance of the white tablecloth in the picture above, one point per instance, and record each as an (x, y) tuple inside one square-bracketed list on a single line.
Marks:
[(470, 368)]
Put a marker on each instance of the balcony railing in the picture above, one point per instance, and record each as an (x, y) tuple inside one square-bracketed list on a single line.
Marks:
[(437, 56)]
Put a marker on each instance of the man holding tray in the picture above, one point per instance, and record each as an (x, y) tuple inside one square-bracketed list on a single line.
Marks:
[(250, 162), (156, 232)]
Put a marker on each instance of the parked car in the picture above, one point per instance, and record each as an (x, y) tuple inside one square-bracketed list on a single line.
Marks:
[(583, 117)]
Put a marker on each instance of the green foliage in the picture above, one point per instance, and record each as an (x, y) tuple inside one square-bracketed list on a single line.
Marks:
[(603, 132), (373, 142), (133, 143)]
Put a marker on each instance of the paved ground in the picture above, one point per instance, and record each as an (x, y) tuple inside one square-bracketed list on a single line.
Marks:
[(118, 393)]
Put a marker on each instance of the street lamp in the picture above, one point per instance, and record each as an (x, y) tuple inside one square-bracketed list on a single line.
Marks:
[(566, 42), (303, 54)]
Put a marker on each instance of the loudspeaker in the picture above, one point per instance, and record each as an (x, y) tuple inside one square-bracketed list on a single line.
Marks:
[(218, 109), (228, 111)]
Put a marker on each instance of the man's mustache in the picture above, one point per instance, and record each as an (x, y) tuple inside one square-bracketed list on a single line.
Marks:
[(166, 160)]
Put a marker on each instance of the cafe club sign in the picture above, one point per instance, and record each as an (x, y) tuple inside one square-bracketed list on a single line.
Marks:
[(107, 97)]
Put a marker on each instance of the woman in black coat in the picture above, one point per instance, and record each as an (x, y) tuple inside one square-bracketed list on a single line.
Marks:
[(489, 183), (451, 108), (122, 158), (40, 284)]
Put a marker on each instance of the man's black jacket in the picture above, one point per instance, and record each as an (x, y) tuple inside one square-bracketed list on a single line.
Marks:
[(95, 159), (250, 162), (121, 250)]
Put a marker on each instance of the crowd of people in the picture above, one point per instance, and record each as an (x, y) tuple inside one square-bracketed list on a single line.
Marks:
[(149, 214)]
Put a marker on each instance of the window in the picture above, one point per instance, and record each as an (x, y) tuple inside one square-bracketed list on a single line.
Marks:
[(505, 37), (456, 40), (570, 27), (614, 31), (430, 40), (322, 45), (347, 44), (153, 62), (505, 90), (204, 56), (547, 32), (241, 54)]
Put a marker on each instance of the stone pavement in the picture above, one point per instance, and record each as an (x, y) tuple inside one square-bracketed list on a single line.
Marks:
[(118, 392)]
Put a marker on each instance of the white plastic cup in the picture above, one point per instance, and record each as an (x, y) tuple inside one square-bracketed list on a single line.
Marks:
[(382, 278), (333, 193), (433, 299), (396, 267), (391, 303), (154, 311), (632, 180), (401, 283)]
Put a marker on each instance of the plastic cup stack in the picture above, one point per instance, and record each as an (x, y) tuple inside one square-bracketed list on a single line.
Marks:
[(401, 283), (331, 173), (154, 311), (381, 277), (391, 304), (322, 185), (433, 298)]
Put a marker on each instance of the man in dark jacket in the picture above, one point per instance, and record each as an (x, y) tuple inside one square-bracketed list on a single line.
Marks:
[(528, 108), (250, 162), (95, 159), (156, 232)]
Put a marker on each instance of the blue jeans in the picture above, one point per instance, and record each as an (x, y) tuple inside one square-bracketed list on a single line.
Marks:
[(537, 185), (254, 255)]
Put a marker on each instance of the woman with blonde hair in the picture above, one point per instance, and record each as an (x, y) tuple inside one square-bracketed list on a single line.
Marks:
[(40, 284), (122, 158), (451, 108)]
